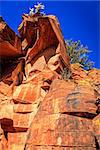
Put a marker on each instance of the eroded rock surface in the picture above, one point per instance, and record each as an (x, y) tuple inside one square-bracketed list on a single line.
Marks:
[(10, 43), (40, 107)]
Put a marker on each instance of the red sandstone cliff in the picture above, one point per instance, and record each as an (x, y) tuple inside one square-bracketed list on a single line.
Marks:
[(42, 111)]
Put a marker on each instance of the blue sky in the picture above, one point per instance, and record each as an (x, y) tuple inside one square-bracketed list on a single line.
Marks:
[(79, 20)]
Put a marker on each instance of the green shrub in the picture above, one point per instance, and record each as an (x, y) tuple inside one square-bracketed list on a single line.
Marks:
[(66, 74), (79, 54)]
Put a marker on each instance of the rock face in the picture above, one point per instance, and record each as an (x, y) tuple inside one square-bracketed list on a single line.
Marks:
[(41, 106), (10, 43)]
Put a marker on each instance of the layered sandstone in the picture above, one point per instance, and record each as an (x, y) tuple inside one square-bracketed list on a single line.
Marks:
[(45, 109)]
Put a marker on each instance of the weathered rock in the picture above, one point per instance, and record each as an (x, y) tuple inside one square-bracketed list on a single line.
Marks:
[(5, 93), (29, 147), (44, 111), (27, 93), (27, 31), (69, 98), (6, 111), (3, 140), (96, 125), (45, 32), (61, 124), (94, 74), (10, 43), (16, 140), (78, 73)]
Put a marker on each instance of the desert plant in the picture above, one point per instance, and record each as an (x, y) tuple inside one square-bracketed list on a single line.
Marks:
[(79, 54), (66, 74), (31, 13), (36, 9)]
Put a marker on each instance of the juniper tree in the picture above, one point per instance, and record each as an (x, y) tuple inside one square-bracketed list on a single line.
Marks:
[(79, 54)]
